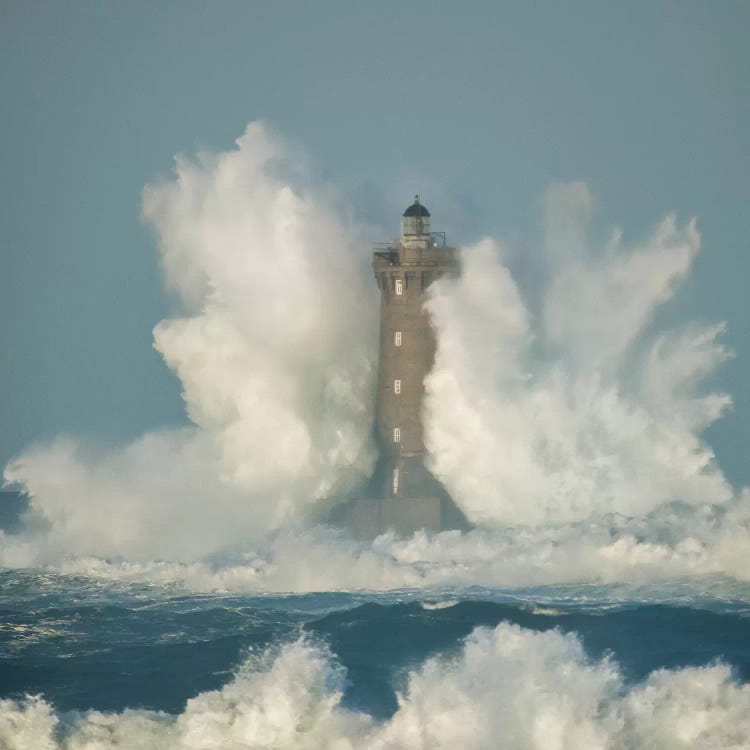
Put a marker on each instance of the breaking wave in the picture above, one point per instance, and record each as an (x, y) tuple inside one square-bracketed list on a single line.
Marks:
[(565, 424), (507, 687), (680, 545), (274, 348)]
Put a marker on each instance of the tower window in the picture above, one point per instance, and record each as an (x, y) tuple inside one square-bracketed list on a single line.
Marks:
[(397, 338), (395, 481), (399, 286), (397, 386), (396, 434)]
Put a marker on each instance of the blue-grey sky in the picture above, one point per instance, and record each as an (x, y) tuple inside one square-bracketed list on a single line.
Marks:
[(647, 102)]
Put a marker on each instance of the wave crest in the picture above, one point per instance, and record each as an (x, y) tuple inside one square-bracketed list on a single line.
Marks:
[(508, 687)]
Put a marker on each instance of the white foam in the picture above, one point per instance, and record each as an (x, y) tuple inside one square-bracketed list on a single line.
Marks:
[(568, 429), (508, 688), (438, 605), (274, 347), (547, 611), (633, 552), (557, 414)]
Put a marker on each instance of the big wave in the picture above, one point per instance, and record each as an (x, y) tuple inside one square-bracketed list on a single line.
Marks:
[(507, 688), (566, 424)]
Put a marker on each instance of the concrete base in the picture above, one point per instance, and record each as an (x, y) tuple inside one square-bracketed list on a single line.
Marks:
[(423, 504), (367, 517)]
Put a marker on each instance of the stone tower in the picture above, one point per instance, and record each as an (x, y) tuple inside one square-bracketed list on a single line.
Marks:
[(403, 495), (409, 496)]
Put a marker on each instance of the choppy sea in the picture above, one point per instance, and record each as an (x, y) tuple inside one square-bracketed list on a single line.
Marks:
[(89, 664)]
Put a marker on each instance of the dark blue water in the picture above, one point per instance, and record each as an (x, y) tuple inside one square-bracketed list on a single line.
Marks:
[(84, 644)]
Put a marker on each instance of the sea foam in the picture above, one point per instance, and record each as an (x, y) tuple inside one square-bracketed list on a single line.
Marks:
[(700, 545), (507, 688), (558, 415)]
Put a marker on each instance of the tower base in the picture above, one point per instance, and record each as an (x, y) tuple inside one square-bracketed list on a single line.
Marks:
[(421, 502)]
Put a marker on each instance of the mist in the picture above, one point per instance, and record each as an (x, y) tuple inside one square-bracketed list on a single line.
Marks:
[(530, 689), (275, 348), (564, 421), (580, 409)]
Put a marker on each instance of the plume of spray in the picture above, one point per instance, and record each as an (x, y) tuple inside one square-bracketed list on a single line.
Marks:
[(568, 430), (507, 687), (572, 412), (274, 348)]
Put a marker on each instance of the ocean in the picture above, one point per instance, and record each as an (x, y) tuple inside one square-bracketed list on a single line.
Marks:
[(178, 591), (93, 663)]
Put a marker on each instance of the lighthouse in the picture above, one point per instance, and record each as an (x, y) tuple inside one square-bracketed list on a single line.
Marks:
[(403, 495)]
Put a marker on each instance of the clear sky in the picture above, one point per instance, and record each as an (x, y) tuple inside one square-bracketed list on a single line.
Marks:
[(646, 102)]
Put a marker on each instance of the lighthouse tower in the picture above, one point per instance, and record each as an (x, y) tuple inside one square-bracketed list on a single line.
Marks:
[(409, 497)]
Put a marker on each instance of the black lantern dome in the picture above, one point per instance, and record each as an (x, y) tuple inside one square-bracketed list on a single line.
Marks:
[(416, 209), (416, 220)]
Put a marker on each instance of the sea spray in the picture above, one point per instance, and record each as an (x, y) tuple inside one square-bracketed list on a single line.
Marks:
[(507, 687), (566, 425)]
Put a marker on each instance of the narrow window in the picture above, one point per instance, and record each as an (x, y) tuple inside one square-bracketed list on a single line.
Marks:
[(397, 386), (395, 481), (396, 434), (397, 338), (399, 286)]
